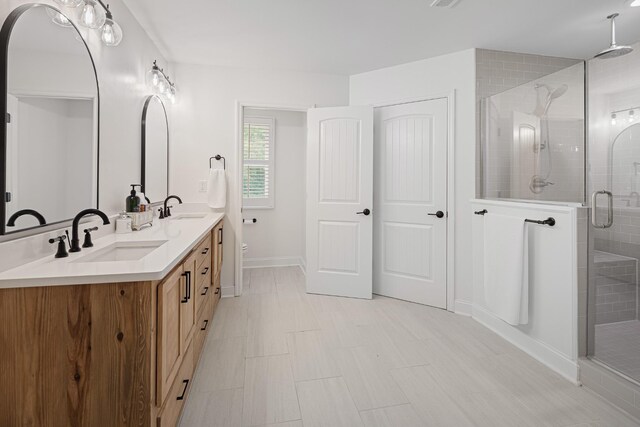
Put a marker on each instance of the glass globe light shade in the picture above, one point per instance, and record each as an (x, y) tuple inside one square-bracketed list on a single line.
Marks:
[(162, 86), (171, 94), (69, 3), (153, 78), (92, 15), (58, 18), (111, 33)]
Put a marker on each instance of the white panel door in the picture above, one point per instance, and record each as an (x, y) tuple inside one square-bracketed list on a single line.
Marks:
[(339, 201), (410, 237)]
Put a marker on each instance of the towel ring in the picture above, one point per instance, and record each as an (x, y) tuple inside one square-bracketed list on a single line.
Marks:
[(218, 157)]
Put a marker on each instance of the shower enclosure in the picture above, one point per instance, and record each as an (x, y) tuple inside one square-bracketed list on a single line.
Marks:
[(533, 149), (614, 181), (532, 139)]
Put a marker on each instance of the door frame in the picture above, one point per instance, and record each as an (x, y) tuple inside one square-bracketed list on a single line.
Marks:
[(236, 214), (451, 123)]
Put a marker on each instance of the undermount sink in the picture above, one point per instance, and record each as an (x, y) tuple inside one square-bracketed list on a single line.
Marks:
[(123, 251), (184, 216)]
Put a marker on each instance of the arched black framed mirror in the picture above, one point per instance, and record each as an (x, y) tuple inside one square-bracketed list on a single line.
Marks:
[(50, 129), (155, 150)]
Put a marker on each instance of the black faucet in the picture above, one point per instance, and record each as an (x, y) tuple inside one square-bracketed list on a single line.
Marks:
[(167, 212), (75, 239), (15, 216)]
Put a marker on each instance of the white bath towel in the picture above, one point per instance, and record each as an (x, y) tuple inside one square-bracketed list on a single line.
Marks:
[(217, 189), (506, 268)]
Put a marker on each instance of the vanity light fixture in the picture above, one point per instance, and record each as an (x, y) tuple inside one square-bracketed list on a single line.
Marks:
[(634, 3), (96, 15), (161, 84), (631, 115)]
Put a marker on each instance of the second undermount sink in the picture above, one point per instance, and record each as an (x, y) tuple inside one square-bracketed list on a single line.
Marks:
[(123, 251), (184, 216)]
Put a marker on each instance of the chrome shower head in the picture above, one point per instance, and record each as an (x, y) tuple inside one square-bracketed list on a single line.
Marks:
[(560, 90), (614, 50)]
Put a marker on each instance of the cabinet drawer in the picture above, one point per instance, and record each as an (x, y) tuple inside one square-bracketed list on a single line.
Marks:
[(203, 252), (204, 325), (178, 392), (204, 289)]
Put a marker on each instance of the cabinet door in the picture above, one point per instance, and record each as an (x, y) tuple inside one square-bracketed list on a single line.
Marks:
[(188, 301), (169, 347), (218, 237)]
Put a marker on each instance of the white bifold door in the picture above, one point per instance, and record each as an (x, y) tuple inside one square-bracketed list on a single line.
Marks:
[(340, 201), (410, 247)]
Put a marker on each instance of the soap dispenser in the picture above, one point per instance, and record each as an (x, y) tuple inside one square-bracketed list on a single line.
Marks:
[(132, 203)]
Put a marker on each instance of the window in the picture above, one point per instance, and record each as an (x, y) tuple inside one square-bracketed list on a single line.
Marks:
[(258, 161)]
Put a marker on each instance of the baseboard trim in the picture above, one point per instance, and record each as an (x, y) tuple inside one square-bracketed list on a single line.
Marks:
[(546, 355), (272, 262), (228, 291), (464, 308), (303, 265)]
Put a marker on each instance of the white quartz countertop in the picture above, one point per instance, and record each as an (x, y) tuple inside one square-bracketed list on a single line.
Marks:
[(181, 237)]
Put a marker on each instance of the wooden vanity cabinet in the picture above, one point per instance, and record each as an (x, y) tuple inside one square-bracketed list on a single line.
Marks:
[(109, 354)]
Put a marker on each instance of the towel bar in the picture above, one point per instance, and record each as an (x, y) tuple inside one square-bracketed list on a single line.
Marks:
[(549, 221), (218, 157)]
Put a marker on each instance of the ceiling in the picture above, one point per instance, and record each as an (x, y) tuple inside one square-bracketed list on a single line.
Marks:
[(352, 36)]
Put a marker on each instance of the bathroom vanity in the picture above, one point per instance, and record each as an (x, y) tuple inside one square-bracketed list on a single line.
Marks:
[(111, 335)]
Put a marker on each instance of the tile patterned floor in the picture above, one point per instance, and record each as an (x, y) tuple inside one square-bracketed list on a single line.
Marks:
[(278, 356), (618, 346)]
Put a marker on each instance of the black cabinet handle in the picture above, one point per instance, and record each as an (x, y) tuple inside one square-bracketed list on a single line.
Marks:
[(206, 289), (184, 391), (206, 251), (217, 291), (205, 271), (186, 288), (365, 212), (206, 323), (188, 285), (438, 214), (219, 236)]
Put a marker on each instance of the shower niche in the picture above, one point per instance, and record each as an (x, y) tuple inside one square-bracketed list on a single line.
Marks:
[(532, 140)]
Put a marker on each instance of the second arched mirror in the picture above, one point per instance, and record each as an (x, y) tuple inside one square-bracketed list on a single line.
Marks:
[(155, 150)]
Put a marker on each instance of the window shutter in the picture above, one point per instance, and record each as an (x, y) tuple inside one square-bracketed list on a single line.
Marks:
[(258, 153)]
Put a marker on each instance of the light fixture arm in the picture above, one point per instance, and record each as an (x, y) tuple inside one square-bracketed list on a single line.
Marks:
[(106, 9)]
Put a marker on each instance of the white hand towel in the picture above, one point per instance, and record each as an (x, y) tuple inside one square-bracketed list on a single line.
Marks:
[(217, 189), (506, 268)]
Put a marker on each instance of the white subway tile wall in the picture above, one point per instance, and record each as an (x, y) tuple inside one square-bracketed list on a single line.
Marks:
[(505, 84)]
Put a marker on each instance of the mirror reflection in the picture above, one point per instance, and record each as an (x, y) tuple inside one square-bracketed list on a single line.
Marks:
[(51, 140), (625, 166), (155, 150)]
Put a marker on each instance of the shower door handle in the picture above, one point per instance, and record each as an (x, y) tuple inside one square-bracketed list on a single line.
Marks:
[(594, 201)]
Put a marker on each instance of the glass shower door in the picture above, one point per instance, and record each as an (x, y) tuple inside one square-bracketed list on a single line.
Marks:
[(614, 326)]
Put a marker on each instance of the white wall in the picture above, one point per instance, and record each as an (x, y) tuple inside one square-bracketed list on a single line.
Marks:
[(204, 124), (426, 79), (121, 76), (278, 236)]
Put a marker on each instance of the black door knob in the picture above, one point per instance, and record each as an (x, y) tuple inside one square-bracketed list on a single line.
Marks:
[(365, 212), (438, 214)]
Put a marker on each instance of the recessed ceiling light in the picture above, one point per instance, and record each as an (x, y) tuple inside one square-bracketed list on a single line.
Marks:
[(633, 3)]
